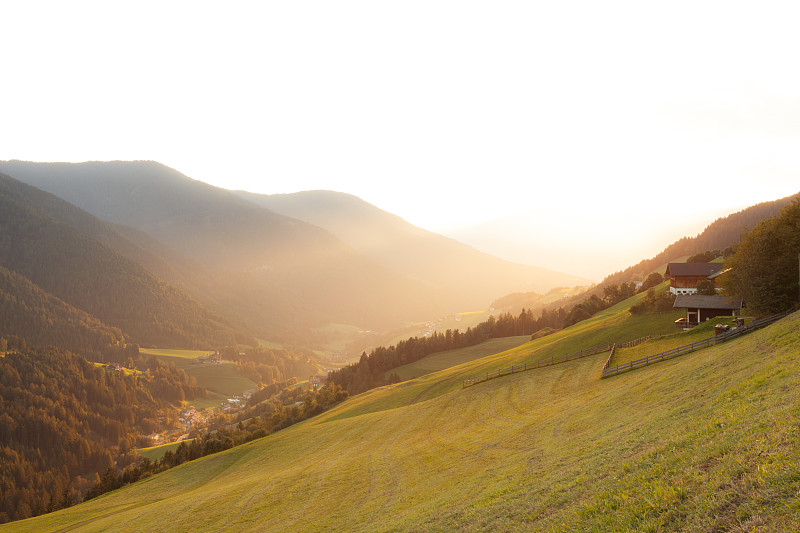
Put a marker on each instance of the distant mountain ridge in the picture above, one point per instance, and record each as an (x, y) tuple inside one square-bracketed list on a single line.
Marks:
[(279, 272), (417, 253)]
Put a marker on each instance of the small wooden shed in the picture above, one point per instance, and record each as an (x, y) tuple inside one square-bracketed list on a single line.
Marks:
[(700, 308)]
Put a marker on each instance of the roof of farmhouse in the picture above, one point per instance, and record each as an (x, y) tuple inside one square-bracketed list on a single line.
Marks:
[(698, 301), (694, 269)]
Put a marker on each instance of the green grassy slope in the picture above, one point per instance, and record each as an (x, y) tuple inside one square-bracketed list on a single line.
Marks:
[(155, 453), (81, 271), (668, 342), (704, 442), (442, 360)]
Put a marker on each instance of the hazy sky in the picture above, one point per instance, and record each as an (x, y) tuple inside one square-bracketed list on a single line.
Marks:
[(610, 124)]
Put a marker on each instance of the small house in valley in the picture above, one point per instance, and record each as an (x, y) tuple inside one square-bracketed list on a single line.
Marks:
[(317, 381), (683, 277), (700, 308)]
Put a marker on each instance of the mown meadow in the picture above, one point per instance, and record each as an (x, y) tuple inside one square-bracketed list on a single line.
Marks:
[(705, 442), (221, 379)]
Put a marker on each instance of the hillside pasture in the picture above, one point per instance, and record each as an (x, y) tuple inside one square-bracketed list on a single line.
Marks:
[(669, 342), (449, 358), (705, 442), (181, 358), (615, 324)]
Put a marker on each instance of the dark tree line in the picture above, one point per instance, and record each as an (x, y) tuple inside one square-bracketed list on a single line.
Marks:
[(653, 302), (64, 421), (43, 320), (265, 366), (764, 269), (710, 255), (370, 371)]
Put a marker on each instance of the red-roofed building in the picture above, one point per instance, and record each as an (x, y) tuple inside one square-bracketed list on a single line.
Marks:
[(683, 277)]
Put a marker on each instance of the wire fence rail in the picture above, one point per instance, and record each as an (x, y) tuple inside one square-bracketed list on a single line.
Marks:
[(681, 350), (513, 369)]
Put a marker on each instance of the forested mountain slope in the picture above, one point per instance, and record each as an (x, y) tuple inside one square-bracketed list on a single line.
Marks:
[(79, 270), (297, 272), (41, 319), (64, 421)]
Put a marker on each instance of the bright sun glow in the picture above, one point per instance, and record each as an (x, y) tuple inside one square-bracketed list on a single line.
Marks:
[(614, 127)]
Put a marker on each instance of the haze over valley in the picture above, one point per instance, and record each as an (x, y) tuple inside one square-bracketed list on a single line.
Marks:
[(422, 266)]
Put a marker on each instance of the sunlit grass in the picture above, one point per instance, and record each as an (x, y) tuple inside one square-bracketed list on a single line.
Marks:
[(157, 452), (705, 442), (669, 342), (449, 358), (182, 354)]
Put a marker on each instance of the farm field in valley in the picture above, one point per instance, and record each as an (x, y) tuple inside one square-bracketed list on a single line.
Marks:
[(220, 378)]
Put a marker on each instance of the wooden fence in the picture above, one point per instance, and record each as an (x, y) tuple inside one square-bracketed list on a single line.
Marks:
[(680, 350), (539, 364), (638, 341), (610, 356)]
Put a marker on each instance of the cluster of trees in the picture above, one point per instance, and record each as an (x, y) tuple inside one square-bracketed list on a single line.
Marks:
[(291, 405), (612, 295), (661, 303), (288, 406), (265, 366), (166, 381), (64, 420), (710, 255), (764, 269), (268, 391)]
